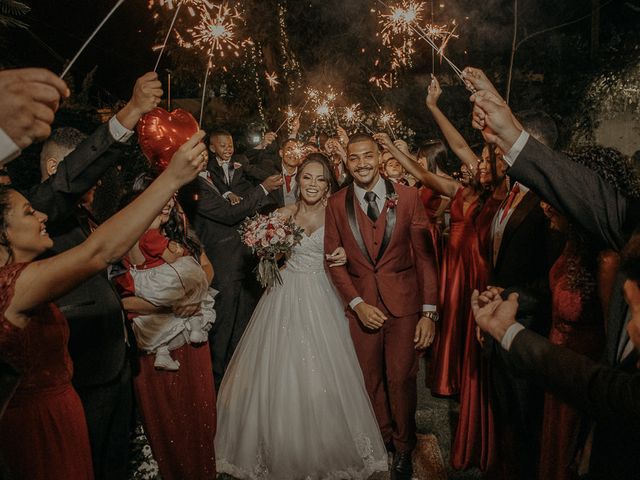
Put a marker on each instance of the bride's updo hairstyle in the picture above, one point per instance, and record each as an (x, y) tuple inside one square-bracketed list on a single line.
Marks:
[(320, 159)]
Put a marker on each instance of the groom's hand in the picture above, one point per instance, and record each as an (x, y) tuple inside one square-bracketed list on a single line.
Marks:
[(370, 316), (425, 333)]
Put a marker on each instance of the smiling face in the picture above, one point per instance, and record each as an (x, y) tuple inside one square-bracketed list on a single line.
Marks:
[(363, 163), (25, 230), (314, 185), (222, 146)]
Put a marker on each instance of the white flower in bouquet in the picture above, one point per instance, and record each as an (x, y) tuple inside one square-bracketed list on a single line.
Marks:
[(270, 237)]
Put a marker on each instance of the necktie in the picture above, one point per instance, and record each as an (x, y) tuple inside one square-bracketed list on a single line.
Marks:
[(373, 212), (287, 181), (512, 196)]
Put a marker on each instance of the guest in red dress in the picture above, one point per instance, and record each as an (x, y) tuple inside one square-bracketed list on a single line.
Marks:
[(581, 282), (432, 157), (178, 408), (43, 433)]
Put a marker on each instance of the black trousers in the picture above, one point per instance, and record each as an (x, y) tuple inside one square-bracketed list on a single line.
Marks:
[(109, 409), (234, 306)]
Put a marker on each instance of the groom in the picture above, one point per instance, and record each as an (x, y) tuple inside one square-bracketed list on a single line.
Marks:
[(390, 286)]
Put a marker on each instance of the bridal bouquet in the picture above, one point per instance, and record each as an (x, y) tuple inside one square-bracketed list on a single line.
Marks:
[(270, 237)]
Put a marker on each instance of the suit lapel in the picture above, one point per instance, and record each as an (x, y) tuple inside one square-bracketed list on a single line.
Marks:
[(528, 203), (390, 222), (353, 223)]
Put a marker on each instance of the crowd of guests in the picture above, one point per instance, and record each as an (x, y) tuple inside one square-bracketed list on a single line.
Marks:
[(538, 308)]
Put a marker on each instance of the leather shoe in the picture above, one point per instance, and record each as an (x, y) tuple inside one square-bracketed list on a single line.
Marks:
[(402, 467)]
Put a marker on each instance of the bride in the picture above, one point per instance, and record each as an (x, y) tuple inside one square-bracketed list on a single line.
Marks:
[(293, 405)]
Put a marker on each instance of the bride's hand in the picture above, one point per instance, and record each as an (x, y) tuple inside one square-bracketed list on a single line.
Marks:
[(337, 258)]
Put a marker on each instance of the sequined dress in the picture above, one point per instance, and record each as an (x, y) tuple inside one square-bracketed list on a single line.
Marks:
[(293, 403)]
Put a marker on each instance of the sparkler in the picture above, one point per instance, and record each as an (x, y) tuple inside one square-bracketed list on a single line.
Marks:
[(352, 116), (166, 39), (403, 21), (290, 115), (214, 35), (272, 80), (73, 60), (190, 4), (385, 119)]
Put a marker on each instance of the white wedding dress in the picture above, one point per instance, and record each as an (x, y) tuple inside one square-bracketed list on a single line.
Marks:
[(293, 405)]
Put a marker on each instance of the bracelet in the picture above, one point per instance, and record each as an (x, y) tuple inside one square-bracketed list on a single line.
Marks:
[(433, 316)]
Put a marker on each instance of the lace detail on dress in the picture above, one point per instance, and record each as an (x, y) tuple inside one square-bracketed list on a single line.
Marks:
[(8, 277)]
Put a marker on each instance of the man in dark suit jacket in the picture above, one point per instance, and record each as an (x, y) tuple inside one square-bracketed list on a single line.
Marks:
[(574, 190), (521, 256), (232, 174), (70, 166), (608, 395), (216, 222)]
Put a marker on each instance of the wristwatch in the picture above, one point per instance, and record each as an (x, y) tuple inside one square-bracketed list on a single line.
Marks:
[(433, 316)]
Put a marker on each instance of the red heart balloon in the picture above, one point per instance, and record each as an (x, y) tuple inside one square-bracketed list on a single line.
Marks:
[(161, 133)]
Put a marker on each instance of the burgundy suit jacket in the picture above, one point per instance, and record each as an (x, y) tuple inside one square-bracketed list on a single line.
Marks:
[(391, 259)]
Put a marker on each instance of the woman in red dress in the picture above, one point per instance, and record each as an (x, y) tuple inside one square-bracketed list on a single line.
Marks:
[(178, 408), (430, 156), (577, 313), (43, 433)]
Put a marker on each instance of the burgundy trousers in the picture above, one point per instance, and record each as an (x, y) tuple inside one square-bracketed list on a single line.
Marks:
[(389, 363)]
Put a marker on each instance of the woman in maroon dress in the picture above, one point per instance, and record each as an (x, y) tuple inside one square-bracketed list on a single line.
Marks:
[(473, 443), (430, 156), (178, 408), (577, 314), (43, 433)]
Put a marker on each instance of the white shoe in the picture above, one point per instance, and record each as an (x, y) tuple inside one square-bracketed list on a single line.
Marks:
[(165, 362)]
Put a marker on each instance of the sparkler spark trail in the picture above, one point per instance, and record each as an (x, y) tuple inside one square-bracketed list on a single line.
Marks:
[(386, 119), (190, 4), (215, 33), (401, 27), (272, 80)]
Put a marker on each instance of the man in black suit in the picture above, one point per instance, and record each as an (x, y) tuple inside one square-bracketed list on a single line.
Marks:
[(216, 222), (521, 256), (290, 156), (232, 174), (608, 395), (70, 166)]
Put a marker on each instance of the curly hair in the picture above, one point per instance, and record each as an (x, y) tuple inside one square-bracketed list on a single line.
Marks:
[(616, 169), (5, 205)]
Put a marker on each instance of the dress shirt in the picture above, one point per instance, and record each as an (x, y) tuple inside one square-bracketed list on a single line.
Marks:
[(380, 189), (119, 132), (289, 196), (512, 155), (510, 335), (499, 224), (8, 148)]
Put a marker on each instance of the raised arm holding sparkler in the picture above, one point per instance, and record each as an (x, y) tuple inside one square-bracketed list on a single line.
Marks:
[(443, 185), (456, 142)]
